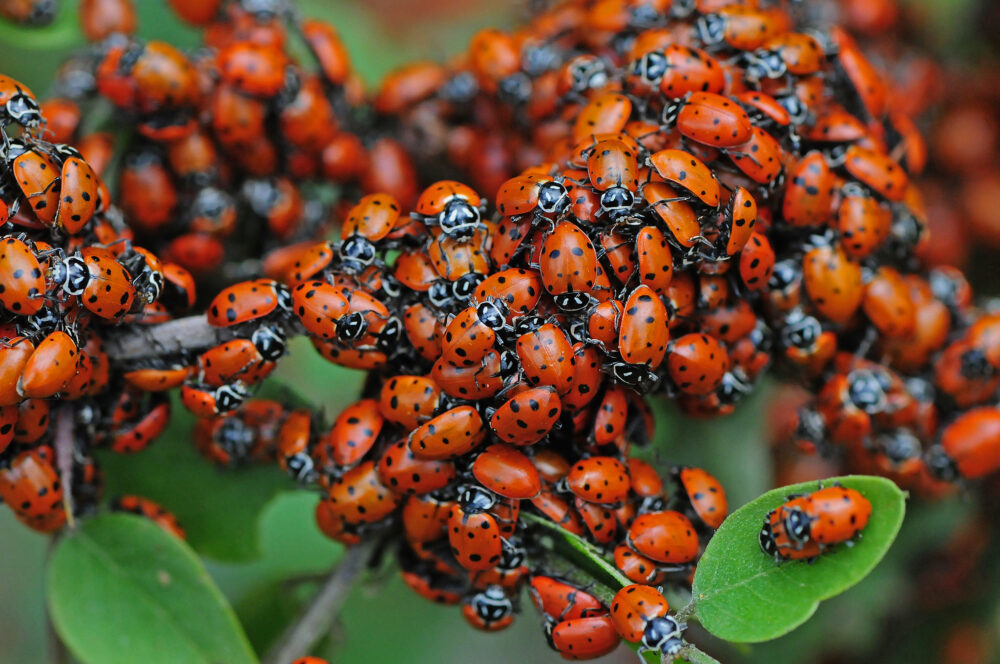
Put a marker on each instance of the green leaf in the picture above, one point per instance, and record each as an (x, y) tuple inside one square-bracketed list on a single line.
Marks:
[(218, 507), (122, 590), (741, 595)]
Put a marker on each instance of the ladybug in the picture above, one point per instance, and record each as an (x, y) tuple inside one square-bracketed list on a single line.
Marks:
[(373, 218), (599, 479), (247, 301), (473, 532), (532, 193), (811, 185), (612, 416), (654, 260), (833, 282), (353, 434), (295, 442), (359, 497), (473, 332), (584, 638), (404, 473), (425, 517), (557, 599), (710, 119), (31, 421), (568, 265), (969, 446), (78, 196), (409, 401), (761, 158), (18, 104), (507, 472), (636, 567), (518, 289), (452, 207), (31, 486), (863, 221), (153, 511), (36, 173), (22, 277), (528, 416), (639, 614), (676, 213), (837, 514), (877, 172), (452, 433), (206, 402), (613, 170), (697, 363), (783, 538), (319, 306), (477, 382), (687, 171), (50, 368), (136, 436), (704, 494), (546, 357), (888, 305), (489, 610), (328, 49), (643, 332), (252, 68), (681, 70), (665, 537)]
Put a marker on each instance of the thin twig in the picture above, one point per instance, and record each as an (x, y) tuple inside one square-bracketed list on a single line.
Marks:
[(319, 617), (63, 443), (176, 336)]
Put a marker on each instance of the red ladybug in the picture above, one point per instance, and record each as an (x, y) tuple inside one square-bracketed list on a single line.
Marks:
[(639, 613), (248, 300), (527, 417), (704, 494), (31, 486), (599, 479), (473, 532), (450, 434), (665, 537), (568, 265), (584, 638)]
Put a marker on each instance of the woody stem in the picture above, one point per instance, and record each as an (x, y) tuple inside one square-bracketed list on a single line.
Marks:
[(321, 613)]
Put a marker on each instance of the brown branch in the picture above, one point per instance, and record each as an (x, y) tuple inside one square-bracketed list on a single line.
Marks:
[(319, 617), (64, 448), (176, 336)]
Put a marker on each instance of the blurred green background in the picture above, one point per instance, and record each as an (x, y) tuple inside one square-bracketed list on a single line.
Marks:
[(383, 620)]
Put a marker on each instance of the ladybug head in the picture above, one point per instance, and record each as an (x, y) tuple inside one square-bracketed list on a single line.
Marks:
[(440, 294), (351, 327), (300, 466), (587, 72), (513, 554), (552, 197), (867, 391), (711, 28), (72, 274), (528, 323), (459, 219), (284, 297), (493, 314), (801, 332), (797, 524), (23, 109), (235, 438), (540, 57), (811, 426), (765, 64), (492, 605), (899, 445), (270, 342), (572, 301), (617, 201), (463, 287), (635, 376), (356, 253), (460, 88), (650, 67), (975, 365), (474, 499), (515, 89), (941, 465), (659, 631), (732, 388), (229, 397), (389, 336)]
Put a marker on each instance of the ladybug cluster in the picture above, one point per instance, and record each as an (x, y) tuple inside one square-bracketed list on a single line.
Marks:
[(668, 200)]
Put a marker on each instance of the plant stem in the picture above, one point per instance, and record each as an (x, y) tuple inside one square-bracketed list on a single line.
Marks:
[(685, 612), (191, 333), (63, 443), (319, 617), (693, 655)]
